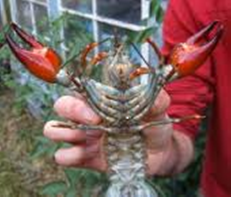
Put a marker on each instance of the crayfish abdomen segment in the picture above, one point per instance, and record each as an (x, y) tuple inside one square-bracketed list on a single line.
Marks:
[(127, 169)]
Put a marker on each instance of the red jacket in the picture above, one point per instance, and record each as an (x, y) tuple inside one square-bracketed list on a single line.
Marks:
[(210, 85)]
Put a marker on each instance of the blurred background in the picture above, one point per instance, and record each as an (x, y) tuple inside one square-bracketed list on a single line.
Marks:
[(26, 163)]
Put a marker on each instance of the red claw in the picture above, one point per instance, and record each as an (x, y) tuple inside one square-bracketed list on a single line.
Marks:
[(30, 40), (41, 61), (187, 57)]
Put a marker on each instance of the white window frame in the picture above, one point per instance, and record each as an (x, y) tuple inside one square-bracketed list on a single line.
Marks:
[(14, 11), (3, 12)]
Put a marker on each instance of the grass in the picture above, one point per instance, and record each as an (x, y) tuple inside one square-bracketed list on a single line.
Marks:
[(20, 174)]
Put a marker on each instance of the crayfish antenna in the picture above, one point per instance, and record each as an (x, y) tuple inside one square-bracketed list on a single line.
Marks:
[(168, 121), (157, 51)]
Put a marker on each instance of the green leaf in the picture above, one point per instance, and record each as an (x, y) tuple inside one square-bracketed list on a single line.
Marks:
[(156, 10), (54, 188), (4, 30), (73, 175), (44, 147), (153, 7), (71, 192), (145, 34), (140, 37), (91, 180), (159, 15), (39, 150)]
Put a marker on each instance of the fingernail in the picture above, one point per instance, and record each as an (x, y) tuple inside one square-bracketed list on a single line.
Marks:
[(56, 155), (90, 116)]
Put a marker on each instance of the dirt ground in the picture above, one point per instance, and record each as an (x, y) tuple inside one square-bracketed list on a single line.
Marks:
[(20, 174)]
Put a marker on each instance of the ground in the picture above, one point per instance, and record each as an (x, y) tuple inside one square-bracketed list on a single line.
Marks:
[(21, 174)]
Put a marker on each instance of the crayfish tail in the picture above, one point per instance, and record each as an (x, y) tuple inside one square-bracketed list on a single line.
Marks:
[(133, 189)]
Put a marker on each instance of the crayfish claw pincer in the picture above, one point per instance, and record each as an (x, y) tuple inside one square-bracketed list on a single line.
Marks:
[(43, 62), (187, 57), (29, 39)]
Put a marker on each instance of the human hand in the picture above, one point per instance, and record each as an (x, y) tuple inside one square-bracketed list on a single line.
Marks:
[(87, 150)]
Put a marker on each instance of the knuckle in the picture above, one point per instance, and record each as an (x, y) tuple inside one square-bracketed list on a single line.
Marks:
[(71, 157), (80, 105), (71, 108), (65, 104), (59, 102), (75, 135), (162, 103), (167, 99)]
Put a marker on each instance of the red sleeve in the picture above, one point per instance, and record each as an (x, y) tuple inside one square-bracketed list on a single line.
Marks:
[(192, 94)]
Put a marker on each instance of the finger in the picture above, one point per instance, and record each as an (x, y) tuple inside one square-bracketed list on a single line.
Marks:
[(159, 107), (79, 155), (157, 131), (76, 110), (78, 95), (73, 156), (98, 164), (158, 136), (63, 134)]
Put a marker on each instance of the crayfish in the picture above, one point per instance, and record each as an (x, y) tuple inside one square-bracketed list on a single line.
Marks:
[(122, 100)]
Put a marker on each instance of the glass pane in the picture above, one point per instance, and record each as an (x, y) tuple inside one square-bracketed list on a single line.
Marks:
[(122, 10), (78, 31), (79, 5), (24, 14), (41, 19)]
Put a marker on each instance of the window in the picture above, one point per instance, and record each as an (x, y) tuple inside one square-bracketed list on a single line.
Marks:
[(84, 6), (31, 14), (127, 11), (97, 18), (125, 14), (2, 14), (103, 16)]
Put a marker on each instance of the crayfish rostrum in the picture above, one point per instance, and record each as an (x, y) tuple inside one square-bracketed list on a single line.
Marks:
[(121, 101)]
